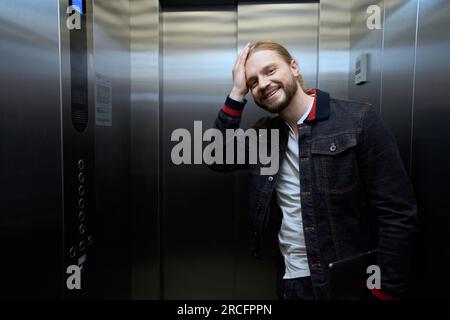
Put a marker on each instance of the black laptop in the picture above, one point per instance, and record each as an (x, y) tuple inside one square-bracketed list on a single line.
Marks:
[(348, 277)]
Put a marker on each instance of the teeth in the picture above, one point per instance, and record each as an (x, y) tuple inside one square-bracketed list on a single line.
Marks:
[(271, 93)]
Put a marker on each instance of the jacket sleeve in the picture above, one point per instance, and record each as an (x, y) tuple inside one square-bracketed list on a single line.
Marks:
[(391, 195), (229, 117)]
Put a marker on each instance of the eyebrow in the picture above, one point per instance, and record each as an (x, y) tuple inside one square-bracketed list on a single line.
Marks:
[(269, 66)]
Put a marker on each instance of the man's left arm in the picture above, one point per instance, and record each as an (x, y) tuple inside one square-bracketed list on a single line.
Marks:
[(391, 195)]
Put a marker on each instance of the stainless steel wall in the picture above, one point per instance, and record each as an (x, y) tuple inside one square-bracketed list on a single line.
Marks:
[(334, 47), (391, 52), (30, 151), (390, 70), (111, 60), (363, 40), (398, 71), (144, 15), (430, 138), (408, 81)]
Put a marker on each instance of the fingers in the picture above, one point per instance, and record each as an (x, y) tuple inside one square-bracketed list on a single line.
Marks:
[(244, 54), (240, 88), (240, 61)]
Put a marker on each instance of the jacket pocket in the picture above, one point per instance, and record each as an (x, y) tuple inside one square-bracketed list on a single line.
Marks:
[(335, 162)]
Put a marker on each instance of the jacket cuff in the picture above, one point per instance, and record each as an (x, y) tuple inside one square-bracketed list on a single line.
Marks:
[(233, 108), (382, 295)]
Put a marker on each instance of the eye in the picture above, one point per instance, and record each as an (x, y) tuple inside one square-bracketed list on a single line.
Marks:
[(271, 71), (253, 84)]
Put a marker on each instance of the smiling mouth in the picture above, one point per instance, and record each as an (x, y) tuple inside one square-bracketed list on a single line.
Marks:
[(271, 93)]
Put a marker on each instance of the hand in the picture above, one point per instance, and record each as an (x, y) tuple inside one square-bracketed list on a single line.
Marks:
[(240, 88)]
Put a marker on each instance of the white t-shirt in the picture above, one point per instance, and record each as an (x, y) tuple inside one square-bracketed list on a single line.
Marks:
[(290, 236)]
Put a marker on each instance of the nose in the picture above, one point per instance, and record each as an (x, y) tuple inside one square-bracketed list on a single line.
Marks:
[(263, 82)]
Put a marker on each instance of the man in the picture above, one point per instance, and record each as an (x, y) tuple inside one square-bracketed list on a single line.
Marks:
[(341, 188)]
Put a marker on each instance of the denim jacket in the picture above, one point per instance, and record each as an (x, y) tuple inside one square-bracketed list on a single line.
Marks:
[(355, 193)]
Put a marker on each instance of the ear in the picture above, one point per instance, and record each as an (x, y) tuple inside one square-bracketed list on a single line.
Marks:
[(294, 68)]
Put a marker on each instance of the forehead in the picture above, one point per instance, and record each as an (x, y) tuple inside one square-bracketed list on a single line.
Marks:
[(260, 59)]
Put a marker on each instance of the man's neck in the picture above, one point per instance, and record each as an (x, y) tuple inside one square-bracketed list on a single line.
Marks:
[(297, 108)]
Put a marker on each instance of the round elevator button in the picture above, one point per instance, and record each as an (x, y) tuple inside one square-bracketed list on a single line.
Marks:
[(81, 190), (82, 228), (81, 203), (81, 177), (81, 164), (72, 252)]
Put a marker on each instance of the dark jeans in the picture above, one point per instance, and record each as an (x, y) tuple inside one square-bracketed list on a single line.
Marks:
[(298, 289)]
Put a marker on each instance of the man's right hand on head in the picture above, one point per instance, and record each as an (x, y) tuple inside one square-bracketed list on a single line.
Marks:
[(240, 88)]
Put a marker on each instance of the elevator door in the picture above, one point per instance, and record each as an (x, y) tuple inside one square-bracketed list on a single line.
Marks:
[(205, 243)]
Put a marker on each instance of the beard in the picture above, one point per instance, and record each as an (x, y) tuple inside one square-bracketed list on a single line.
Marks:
[(290, 88)]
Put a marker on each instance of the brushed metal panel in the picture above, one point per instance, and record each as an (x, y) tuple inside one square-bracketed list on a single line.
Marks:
[(111, 59), (363, 40), (294, 25), (198, 50), (431, 138), (30, 151), (144, 15), (398, 71), (334, 47)]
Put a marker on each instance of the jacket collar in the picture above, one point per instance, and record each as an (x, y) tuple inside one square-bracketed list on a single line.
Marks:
[(321, 107)]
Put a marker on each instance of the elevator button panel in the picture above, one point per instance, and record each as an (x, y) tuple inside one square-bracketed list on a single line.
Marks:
[(80, 208), (79, 143)]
